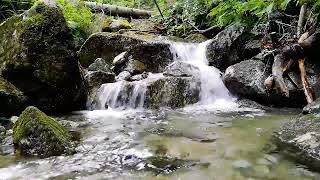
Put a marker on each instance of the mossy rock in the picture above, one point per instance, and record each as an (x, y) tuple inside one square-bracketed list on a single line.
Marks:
[(12, 99), (37, 55), (112, 25), (196, 38), (37, 134)]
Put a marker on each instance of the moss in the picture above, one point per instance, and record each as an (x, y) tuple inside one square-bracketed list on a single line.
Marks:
[(35, 133), (38, 56), (12, 99), (114, 25)]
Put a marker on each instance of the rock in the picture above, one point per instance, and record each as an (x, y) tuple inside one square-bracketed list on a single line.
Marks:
[(174, 92), (112, 25), (13, 101), (37, 134), (313, 107), (135, 67), (120, 59), (37, 56), (152, 92), (2, 133), (181, 69), (105, 45), (196, 38), (246, 80), (100, 65), (94, 80), (227, 47), (124, 75), (243, 166), (153, 52), (299, 138), (156, 55), (139, 77)]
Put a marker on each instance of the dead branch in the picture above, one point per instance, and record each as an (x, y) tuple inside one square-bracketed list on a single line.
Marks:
[(308, 91)]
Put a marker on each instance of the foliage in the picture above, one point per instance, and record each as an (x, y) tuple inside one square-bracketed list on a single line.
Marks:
[(11, 7)]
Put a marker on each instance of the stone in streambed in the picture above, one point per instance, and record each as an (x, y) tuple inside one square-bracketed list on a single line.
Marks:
[(299, 139), (37, 134)]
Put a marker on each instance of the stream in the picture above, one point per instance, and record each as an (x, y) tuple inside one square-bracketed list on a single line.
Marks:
[(215, 138), (183, 144)]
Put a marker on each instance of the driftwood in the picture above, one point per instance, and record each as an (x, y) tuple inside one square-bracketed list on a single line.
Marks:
[(307, 44), (308, 91), (118, 10)]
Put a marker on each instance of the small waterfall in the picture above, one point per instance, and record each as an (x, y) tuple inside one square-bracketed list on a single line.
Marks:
[(213, 89), (126, 95)]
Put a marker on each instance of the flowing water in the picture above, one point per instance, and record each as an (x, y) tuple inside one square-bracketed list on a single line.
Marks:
[(213, 139)]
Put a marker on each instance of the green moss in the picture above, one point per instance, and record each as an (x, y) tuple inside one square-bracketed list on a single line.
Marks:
[(43, 134)]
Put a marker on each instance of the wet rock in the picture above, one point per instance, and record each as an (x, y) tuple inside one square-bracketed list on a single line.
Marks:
[(152, 92), (135, 67), (94, 80), (37, 134), (155, 55), (226, 47), (153, 52), (100, 65), (106, 46), (120, 59), (243, 166), (124, 75), (165, 165), (313, 107), (196, 38), (13, 101), (172, 92), (37, 55), (2, 133), (181, 69), (299, 139), (246, 80), (139, 77)]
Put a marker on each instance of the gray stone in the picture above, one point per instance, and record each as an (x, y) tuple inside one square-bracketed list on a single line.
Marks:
[(246, 80), (139, 77), (124, 75), (135, 67), (181, 69), (313, 107), (120, 59), (299, 139), (225, 48), (100, 65)]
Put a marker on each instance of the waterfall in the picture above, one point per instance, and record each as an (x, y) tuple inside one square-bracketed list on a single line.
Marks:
[(126, 95), (213, 89)]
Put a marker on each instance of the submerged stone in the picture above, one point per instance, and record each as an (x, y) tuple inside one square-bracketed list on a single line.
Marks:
[(37, 55), (37, 134), (12, 100)]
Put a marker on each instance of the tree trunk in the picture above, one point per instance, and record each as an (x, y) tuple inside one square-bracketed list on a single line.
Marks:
[(118, 10)]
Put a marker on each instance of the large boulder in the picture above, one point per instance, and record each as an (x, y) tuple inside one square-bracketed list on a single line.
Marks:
[(152, 92), (13, 101), (246, 80), (153, 52), (299, 138), (228, 47), (37, 56), (37, 134)]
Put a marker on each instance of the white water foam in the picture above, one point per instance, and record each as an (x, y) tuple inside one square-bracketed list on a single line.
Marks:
[(213, 91), (131, 95)]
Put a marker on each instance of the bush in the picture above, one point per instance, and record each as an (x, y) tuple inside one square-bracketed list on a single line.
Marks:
[(11, 7)]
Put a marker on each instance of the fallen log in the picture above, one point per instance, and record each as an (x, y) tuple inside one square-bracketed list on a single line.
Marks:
[(118, 10), (307, 89)]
